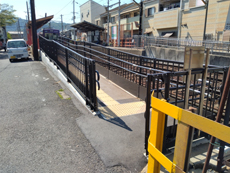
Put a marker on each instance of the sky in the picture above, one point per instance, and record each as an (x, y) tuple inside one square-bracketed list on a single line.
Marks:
[(54, 7)]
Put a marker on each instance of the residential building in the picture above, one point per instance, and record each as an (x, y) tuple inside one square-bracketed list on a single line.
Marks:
[(186, 19), (129, 21), (89, 10), (193, 18), (167, 18)]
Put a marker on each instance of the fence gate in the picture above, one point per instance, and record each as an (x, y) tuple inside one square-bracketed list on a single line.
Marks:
[(173, 87), (185, 120)]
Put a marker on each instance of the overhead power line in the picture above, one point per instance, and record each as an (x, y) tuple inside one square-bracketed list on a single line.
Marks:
[(63, 8)]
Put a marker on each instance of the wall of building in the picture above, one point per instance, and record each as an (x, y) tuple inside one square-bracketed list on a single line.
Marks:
[(166, 19), (96, 9), (99, 21), (91, 10), (84, 11), (148, 21), (193, 23), (161, 20), (194, 18), (217, 16)]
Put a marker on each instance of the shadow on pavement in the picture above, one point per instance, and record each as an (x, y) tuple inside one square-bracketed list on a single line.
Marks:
[(107, 115), (21, 60)]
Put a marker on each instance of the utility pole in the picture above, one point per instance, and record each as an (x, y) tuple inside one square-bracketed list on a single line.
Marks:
[(108, 20), (140, 20), (74, 34), (73, 11), (62, 24), (119, 24), (179, 21), (27, 11), (140, 23), (19, 29), (34, 30), (108, 23), (205, 21)]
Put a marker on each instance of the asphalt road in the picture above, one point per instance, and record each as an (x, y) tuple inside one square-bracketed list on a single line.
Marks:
[(38, 130)]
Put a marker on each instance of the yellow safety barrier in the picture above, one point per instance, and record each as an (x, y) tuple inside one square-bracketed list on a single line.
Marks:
[(185, 120)]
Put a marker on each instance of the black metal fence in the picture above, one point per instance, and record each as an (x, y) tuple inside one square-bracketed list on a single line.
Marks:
[(167, 78), (172, 88), (78, 69), (118, 65)]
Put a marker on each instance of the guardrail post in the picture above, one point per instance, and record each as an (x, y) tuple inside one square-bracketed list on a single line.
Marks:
[(55, 59), (90, 51), (109, 58), (154, 63), (56, 52), (147, 112), (86, 82), (212, 47), (167, 86), (95, 106), (84, 50), (92, 90), (140, 71), (222, 143), (67, 65)]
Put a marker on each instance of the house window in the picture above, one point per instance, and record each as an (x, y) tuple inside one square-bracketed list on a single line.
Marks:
[(97, 22), (136, 14), (227, 27), (112, 19), (126, 16), (151, 11), (82, 15), (87, 13), (105, 20)]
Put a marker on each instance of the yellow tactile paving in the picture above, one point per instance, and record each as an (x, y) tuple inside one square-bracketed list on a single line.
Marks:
[(114, 109), (105, 98), (128, 108)]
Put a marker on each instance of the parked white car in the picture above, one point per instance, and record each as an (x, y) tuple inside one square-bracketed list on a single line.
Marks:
[(17, 48)]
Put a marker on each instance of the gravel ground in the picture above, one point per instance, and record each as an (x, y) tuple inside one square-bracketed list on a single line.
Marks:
[(38, 130)]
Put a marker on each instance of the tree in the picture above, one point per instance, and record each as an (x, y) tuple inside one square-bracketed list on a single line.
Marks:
[(8, 36), (7, 16)]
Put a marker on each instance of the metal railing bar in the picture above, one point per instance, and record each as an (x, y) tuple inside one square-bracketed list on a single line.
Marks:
[(120, 60)]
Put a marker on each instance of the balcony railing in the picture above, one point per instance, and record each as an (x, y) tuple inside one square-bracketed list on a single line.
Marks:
[(166, 19), (133, 19)]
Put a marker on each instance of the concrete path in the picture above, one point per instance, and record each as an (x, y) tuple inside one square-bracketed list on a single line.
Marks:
[(117, 134), (38, 129)]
